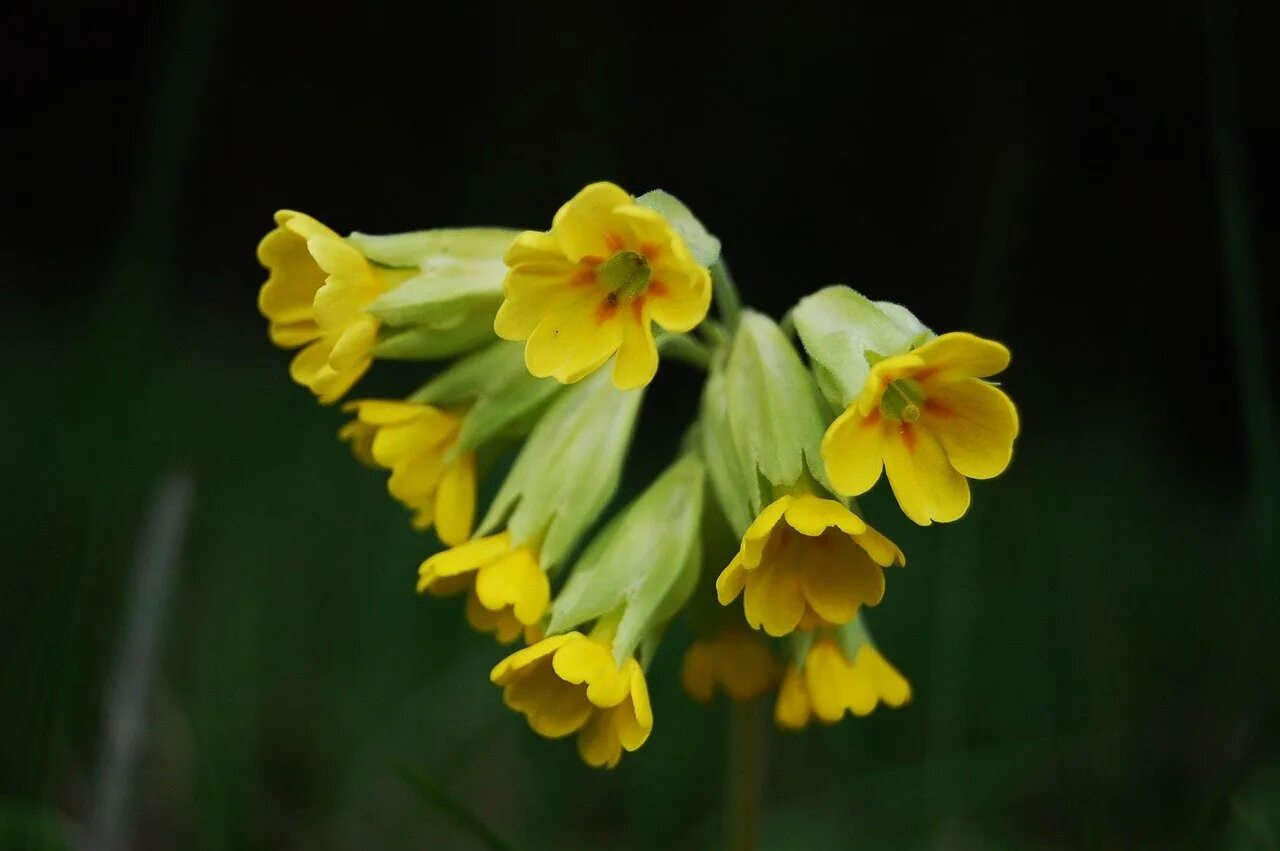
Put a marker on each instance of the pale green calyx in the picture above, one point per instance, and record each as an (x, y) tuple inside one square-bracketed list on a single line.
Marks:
[(704, 247), (773, 406), (736, 487), (844, 332), (495, 387), (645, 563), (568, 469), (449, 306)]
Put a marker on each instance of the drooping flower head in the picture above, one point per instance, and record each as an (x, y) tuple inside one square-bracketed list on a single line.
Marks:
[(594, 283), (735, 660), (930, 422), (806, 562), (314, 298), (416, 443), (570, 683), (508, 592), (838, 675)]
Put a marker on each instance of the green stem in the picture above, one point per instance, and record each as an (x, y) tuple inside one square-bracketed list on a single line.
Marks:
[(746, 744), (728, 302), (683, 347)]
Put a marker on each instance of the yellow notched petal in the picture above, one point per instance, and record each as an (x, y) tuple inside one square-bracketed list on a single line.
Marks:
[(811, 515), (976, 424), (506, 670), (464, 558), (731, 581), (926, 485), (853, 451), (825, 674), (961, 354), (583, 227), (757, 534), (589, 662)]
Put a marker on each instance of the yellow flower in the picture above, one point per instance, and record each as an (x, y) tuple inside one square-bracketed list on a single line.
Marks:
[(569, 684), (929, 421), (592, 285), (805, 562), (829, 684), (509, 593), (413, 441), (315, 296), (736, 660)]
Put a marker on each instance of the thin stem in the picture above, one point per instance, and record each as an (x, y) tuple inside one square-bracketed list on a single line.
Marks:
[(746, 758), (728, 302), (683, 347)]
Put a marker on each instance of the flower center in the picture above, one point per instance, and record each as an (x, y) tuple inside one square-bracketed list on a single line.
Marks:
[(902, 400), (625, 274)]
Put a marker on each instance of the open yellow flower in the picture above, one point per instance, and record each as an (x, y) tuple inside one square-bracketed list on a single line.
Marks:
[(314, 298), (593, 285), (569, 684), (413, 441), (509, 593), (805, 562), (736, 660), (829, 684), (930, 422)]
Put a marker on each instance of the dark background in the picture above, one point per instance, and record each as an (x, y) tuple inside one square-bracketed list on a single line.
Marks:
[(1092, 647)]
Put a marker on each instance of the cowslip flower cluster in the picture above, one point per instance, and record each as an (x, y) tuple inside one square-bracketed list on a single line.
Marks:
[(547, 341)]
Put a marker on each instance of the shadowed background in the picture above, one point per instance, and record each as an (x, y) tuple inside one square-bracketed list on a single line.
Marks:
[(1092, 648)]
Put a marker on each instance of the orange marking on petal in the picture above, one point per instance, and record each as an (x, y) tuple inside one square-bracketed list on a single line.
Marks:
[(584, 275), (614, 242), (871, 420), (608, 308), (591, 261), (909, 436), (650, 251), (925, 373), (658, 289), (934, 408), (637, 308)]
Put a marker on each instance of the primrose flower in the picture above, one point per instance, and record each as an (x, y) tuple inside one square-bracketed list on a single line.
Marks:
[(416, 442), (806, 562), (831, 681), (592, 285), (569, 683), (930, 422), (314, 298), (508, 591), (736, 660)]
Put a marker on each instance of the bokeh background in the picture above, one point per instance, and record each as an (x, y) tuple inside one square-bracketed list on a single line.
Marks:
[(1093, 648)]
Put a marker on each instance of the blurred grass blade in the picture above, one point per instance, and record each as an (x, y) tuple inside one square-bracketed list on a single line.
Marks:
[(433, 795), (130, 687)]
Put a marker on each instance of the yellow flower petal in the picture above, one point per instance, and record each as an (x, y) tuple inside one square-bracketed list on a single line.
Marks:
[(381, 412), (853, 451), (514, 580), (502, 623), (637, 720), (882, 375), (976, 423), (961, 354), (811, 515), (426, 431), (353, 349), (463, 559), (532, 291), (927, 487), (839, 578), (757, 534), (589, 662), (792, 709), (505, 671), (774, 598), (583, 227), (575, 340), (697, 671), (455, 502), (533, 246), (598, 743), (731, 581), (825, 674), (637, 360)]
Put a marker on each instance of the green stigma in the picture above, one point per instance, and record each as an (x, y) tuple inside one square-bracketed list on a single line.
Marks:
[(902, 400), (626, 274)]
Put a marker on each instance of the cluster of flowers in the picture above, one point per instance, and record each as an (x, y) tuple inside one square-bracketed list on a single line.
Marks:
[(760, 492)]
